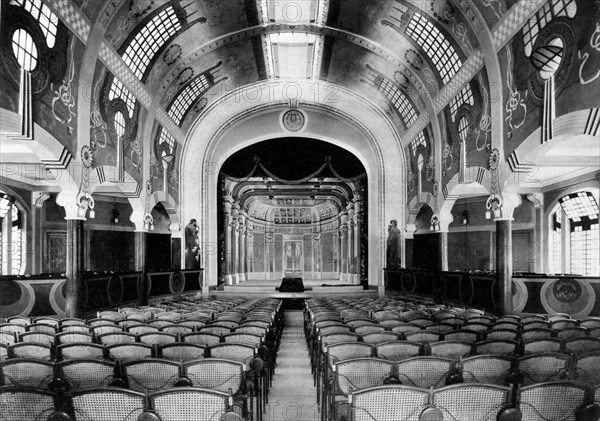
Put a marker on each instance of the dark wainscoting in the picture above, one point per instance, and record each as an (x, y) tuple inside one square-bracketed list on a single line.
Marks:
[(533, 293), (44, 295)]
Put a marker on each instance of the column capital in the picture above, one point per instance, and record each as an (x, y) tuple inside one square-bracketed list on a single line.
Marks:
[(537, 199), (38, 198)]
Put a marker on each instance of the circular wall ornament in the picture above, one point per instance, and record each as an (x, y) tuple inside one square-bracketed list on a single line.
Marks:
[(494, 159), (86, 156), (176, 282), (293, 120), (435, 189), (172, 54)]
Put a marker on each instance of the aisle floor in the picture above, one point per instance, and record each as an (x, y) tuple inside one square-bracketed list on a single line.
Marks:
[(292, 396)]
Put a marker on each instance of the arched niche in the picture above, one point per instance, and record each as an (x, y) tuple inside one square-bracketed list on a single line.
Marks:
[(350, 122)]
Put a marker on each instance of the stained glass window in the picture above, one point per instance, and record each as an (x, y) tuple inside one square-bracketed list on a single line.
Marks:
[(557, 242), (419, 140), (166, 137), (463, 128), (119, 121), (186, 98)]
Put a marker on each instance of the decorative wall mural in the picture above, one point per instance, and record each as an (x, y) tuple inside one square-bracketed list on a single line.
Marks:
[(401, 79), (98, 127), (586, 71), (414, 59), (124, 26), (172, 54), (63, 100), (482, 132), (516, 109), (185, 76)]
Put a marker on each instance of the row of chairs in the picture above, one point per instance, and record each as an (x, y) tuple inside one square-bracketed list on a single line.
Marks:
[(117, 404), (550, 401)]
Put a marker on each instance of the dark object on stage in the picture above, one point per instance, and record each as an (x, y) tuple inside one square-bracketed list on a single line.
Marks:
[(291, 285)]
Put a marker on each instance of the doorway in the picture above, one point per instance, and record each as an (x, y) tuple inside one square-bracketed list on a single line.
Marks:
[(292, 258)]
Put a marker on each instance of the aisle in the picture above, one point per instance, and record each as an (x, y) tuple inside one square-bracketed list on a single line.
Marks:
[(293, 396)]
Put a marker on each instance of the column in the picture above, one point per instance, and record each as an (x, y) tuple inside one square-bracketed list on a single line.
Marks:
[(344, 248), (317, 264), (235, 244), (504, 264), (538, 233), (270, 269), (350, 238), (336, 253), (242, 245), (74, 266), (7, 243), (357, 227), (141, 242), (250, 252), (228, 236)]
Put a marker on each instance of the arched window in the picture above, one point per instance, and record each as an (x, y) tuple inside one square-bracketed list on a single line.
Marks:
[(47, 20), (24, 49), (12, 236), (549, 11), (575, 235), (401, 103)]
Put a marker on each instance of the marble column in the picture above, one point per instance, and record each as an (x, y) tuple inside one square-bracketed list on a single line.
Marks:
[(75, 291), (141, 243), (228, 240)]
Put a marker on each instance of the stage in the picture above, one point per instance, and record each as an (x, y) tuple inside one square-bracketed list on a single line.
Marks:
[(256, 288)]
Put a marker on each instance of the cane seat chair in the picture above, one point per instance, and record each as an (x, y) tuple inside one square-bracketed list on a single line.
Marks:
[(190, 404), (106, 404), (556, 400), (84, 374), (150, 374), (424, 371), (389, 402), (471, 401), (545, 367), (19, 403), (26, 372), (490, 369)]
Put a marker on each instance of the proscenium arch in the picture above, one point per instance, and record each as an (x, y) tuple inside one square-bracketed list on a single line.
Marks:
[(350, 122)]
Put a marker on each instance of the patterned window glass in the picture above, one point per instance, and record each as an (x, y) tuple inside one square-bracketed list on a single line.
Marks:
[(419, 140), (187, 97), (47, 20), (549, 11), (24, 49), (557, 242), (402, 104), (465, 96), (436, 46), (166, 137)]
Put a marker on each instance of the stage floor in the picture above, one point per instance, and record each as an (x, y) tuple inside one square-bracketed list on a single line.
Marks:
[(313, 288)]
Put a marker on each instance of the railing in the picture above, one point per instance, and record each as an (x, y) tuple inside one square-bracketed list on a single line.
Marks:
[(534, 293), (44, 295)]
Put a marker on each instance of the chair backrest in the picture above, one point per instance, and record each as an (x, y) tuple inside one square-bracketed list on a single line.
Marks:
[(30, 350), (177, 329), (333, 338), (370, 328), (544, 367), (461, 335), (557, 400), (112, 338), (217, 330), (141, 328), (537, 346), (491, 369), (20, 403), (3, 351), (385, 403), (582, 345), (106, 404), (83, 373), (236, 352), (451, 349), (26, 372), (157, 338), (80, 350), (216, 374), (7, 338), (41, 327), (129, 351), (181, 351), (346, 350), (379, 337), (70, 337), (473, 402), (243, 338), (590, 322), (201, 338), (423, 336), (189, 404), (497, 346), (572, 332), (398, 350), (406, 327), (502, 334), (588, 367), (536, 333), (424, 371), (359, 373), (37, 337), (151, 374)]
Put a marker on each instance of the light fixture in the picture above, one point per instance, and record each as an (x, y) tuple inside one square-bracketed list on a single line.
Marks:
[(465, 217), (435, 223), (493, 206), (148, 222), (115, 216)]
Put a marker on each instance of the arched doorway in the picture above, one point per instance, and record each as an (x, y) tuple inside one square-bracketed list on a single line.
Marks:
[(292, 207)]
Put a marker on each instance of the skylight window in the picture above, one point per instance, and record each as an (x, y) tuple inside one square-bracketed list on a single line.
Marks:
[(24, 49), (47, 20), (550, 10), (465, 96), (402, 104), (292, 55), (436, 46), (117, 90), (149, 40), (119, 122), (463, 128), (418, 141), (187, 97), (580, 207)]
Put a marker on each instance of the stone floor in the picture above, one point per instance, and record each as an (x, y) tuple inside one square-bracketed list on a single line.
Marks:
[(292, 396)]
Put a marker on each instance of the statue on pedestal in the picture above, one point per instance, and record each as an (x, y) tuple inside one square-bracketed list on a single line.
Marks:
[(393, 245)]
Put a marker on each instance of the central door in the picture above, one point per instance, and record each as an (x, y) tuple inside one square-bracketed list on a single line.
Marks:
[(292, 257)]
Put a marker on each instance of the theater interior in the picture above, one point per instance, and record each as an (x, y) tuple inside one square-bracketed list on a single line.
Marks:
[(299, 210)]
